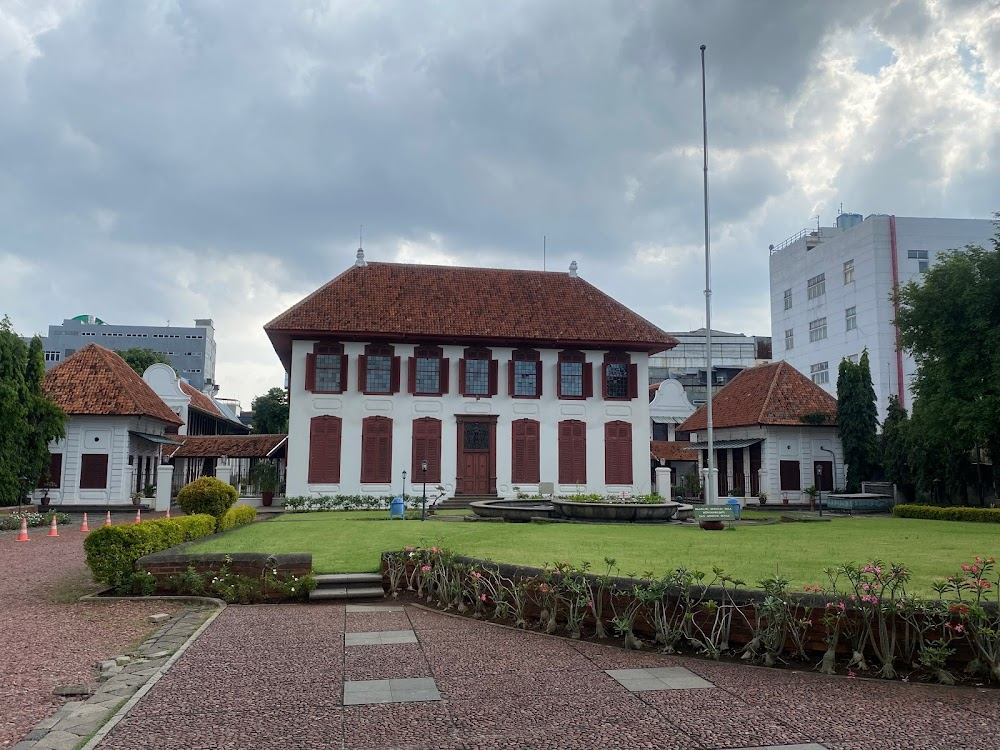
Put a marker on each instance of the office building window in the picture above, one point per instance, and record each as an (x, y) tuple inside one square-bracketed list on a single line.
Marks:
[(851, 316), (789, 338), (916, 254), (848, 271), (852, 358), (816, 286), (820, 372), (817, 329), (788, 299)]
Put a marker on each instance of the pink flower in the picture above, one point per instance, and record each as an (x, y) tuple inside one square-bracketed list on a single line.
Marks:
[(590, 604), (959, 628), (842, 605), (482, 597), (979, 560), (852, 673), (425, 569), (410, 549), (966, 568), (477, 574)]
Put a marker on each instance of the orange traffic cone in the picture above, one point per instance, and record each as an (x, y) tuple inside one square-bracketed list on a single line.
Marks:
[(53, 529), (107, 519), (84, 527), (138, 515), (22, 535)]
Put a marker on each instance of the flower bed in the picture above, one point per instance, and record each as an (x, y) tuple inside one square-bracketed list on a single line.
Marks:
[(860, 621), (12, 521)]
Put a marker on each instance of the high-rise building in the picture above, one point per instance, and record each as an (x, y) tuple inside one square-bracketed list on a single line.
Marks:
[(832, 289), (191, 351)]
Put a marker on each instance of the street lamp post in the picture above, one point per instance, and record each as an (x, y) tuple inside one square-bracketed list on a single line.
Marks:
[(423, 501), (403, 496), (819, 486)]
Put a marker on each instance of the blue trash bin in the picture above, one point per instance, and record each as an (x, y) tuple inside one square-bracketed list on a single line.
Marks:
[(735, 505), (397, 509)]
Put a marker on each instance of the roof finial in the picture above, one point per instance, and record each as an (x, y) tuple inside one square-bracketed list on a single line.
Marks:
[(572, 269), (360, 262)]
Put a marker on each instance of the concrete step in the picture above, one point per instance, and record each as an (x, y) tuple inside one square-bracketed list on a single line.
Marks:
[(343, 579), (461, 501), (346, 592)]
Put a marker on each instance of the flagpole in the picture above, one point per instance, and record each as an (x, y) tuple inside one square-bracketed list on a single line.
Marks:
[(710, 487)]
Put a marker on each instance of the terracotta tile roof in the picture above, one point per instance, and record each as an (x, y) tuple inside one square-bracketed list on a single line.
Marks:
[(97, 381), (234, 446), (422, 302), (776, 393), (199, 400), (672, 450)]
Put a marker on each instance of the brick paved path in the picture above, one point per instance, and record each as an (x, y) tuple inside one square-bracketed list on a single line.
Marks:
[(277, 677)]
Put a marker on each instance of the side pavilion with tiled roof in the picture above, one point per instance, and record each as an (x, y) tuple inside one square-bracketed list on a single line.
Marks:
[(775, 431), (116, 426), (499, 379)]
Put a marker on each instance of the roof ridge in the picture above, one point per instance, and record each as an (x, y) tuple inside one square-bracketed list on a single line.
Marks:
[(770, 391)]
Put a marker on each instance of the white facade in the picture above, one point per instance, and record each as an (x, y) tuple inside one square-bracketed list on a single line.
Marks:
[(164, 381), (859, 269), (669, 407), (352, 407), (807, 445), (113, 436)]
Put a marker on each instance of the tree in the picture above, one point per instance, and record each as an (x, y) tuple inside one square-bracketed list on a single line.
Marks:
[(857, 417), (895, 444), (140, 359), (270, 413), (950, 324), (29, 419)]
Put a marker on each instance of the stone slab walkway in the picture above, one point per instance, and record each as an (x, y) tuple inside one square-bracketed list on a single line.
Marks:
[(281, 677)]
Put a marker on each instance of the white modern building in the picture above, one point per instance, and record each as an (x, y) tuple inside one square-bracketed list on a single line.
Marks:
[(498, 379), (832, 287), (686, 362), (191, 350)]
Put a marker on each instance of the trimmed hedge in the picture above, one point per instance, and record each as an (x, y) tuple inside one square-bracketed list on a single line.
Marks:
[(938, 513), (207, 495), (113, 550), (238, 515)]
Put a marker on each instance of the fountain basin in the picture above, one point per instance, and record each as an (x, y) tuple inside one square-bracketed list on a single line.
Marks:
[(520, 511), (617, 512)]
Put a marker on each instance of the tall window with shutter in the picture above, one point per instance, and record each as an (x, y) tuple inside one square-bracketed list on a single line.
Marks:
[(54, 477), (426, 446), (572, 452), (378, 370), (477, 373), (575, 376), (326, 369), (524, 374), (619, 377), (525, 451), (94, 471), (618, 452), (427, 372), (376, 450), (324, 449)]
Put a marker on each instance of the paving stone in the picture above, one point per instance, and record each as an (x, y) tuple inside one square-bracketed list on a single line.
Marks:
[(72, 690), (161, 617), (107, 664), (380, 638), (158, 654), (121, 661), (657, 678), (373, 608), (408, 690)]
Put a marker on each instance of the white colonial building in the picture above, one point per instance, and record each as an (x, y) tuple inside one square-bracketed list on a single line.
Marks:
[(498, 379), (831, 293)]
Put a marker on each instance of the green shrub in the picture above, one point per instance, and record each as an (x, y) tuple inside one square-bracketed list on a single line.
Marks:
[(238, 515), (207, 495), (937, 513), (112, 551)]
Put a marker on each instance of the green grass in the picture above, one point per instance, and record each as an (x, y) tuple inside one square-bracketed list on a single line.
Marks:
[(353, 542)]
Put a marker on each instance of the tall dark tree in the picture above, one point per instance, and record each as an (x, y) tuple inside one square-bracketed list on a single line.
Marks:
[(28, 419), (140, 359), (270, 412), (951, 325), (857, 417), (895, 444)]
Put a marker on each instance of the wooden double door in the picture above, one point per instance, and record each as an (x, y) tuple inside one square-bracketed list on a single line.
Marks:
[(477, 455)]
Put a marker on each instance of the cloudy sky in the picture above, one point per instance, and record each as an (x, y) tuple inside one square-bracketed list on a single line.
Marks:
[(179, 159)]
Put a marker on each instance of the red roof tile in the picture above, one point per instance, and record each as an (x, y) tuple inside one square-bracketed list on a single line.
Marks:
[(768, 394), (234, 446), (422, 302), (199, 400), (96, 381), (672, 450)]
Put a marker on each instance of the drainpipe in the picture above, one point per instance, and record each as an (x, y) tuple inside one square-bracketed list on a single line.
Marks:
[(834, 456), (895, 304)]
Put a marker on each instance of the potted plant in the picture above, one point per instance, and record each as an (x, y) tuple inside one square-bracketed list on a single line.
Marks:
[(149, 490), (812, 492), (265, 475), (762, 498), (136, 498)]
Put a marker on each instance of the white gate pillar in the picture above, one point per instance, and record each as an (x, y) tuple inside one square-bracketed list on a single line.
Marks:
[(164, 485), (663, 482)]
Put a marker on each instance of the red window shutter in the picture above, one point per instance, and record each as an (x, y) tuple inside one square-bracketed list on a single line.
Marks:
[(633, 381), (426, 445), (55, 469), (394, 376), (411, 375), (559, 393), (362, 373), (343, 373), (538, 378), (376, 449), (572, 452), (310, 372), (618, 452), (94, 471), (604, 381), (588, 379), (510, 377), (525, 460), (325, 435), (494, 377), (461, 377), (443, 379)]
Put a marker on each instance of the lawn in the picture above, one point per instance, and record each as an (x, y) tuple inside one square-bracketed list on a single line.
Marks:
[(353, 542)]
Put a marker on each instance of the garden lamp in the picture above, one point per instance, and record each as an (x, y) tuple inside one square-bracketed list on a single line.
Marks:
[(423, 501), (819, 486), (403, 496)]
